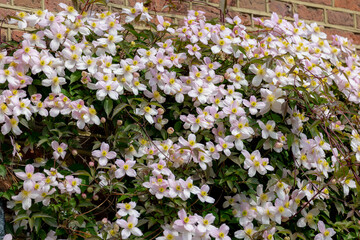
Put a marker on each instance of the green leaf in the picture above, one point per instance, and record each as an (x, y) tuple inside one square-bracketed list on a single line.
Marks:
[(42, 141), (108, 105), (24, 122), (260, 143), (40, 215), (290, 139), (118, 109), (156, 104), (75, 76), (21, 217), (50, 221), (83, 173), (2, 171), (32, 90)]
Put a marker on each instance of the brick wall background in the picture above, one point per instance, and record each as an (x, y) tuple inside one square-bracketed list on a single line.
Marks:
[(336, 16)]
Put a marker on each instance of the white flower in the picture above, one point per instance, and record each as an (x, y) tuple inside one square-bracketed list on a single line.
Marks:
[(268, 129), (129, 227)]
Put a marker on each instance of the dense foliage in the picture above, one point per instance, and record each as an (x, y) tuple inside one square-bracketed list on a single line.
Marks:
[(198, 131)]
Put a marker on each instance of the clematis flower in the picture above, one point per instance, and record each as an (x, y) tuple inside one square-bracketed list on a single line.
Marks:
[(59, 150), (308, 218), (253, 105), (203, 194), (129, 227), (54, 81), (125, 168), (57, 34), (185, 223), (104, 154), (25, 196), (268, 129), (260, 72), (11, 124), (325, 233), (221, 233), (29, 176), (247, 233), (127, 209), (147, 112)]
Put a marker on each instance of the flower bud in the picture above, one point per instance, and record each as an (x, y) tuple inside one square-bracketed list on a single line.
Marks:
[(170, 130), (234, 190), (84, 74), (83, 195), (333, 181), (90, 189), (136, 74), (74, 152), (119, 122), (104, 220), (96, 197), (91, 164), (160, 111), (117, 215), (103, 120), (278, 145), (227, 75), (113, 167), (286, 238)]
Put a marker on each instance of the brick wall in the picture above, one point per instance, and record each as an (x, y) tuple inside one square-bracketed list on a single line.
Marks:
[(336, 16)]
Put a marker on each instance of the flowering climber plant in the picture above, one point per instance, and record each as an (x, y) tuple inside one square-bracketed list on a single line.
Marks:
[(202, 130)]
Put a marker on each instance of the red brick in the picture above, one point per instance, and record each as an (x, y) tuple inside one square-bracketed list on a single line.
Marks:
[(164, 6), (5, 1), (53, 6), (309, 13), (340, 18), (230, 3), (120, 2), (16, 35), (6, 12), (322, 2), (3, 34), (28, 3), (210, 12), (349, 4), (354, 38), (245, 18), (358, 21), (253, 4), (281, 8)]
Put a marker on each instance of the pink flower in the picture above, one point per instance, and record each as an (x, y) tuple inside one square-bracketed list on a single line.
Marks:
[(59, 150), (129, 227), (103, 154), (185, 223), (127, 209), (268, 129), (125, 168), (57, 33), (253, 105), (25, 196), (29, 176), (325, 233), (221, 233), (203, 194), (11, 124), (70, 185)]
